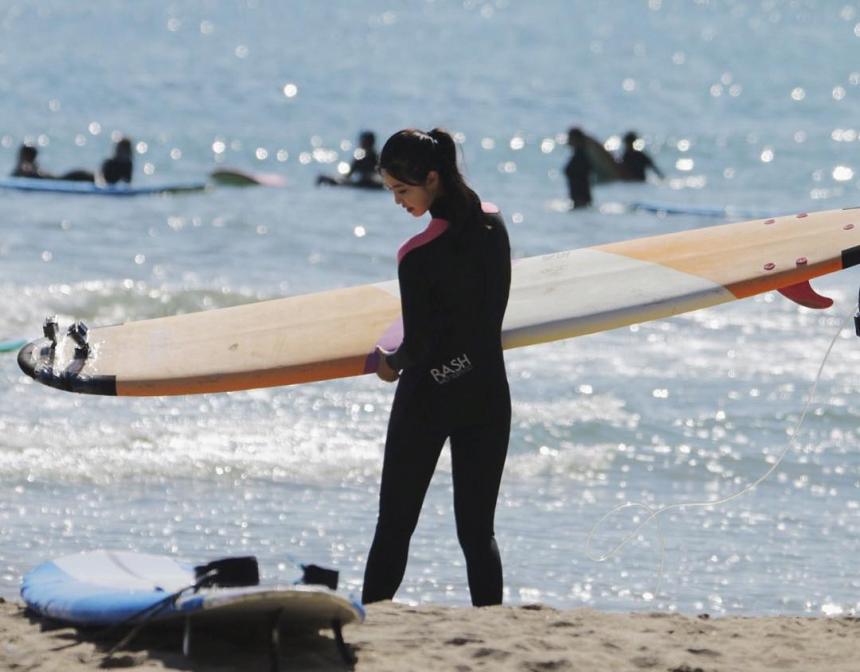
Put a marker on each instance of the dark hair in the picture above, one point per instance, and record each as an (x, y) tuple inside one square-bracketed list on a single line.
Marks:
[(409, 156), (27, 153), (123, 148)]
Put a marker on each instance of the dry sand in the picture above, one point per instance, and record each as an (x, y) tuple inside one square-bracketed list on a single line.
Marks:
[(400, 638)]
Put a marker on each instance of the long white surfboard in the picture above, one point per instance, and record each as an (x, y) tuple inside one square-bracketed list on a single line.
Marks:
[(334, 334)]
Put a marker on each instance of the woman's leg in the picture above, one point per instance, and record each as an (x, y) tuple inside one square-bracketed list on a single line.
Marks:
[(412, 449), (478, 459)]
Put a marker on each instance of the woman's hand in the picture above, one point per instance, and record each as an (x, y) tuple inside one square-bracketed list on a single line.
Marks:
[(384, 371)]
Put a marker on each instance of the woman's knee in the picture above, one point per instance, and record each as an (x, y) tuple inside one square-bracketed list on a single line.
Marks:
[(477, 543)]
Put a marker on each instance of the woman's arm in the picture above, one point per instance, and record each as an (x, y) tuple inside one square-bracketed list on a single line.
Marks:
[(416, 306)]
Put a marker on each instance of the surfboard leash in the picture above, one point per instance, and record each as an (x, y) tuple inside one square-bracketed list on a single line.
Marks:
[(224, 573), (654, 513)]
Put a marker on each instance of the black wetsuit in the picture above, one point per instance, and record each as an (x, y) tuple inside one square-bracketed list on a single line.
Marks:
[(365, 168), (635, 163), (117, 169), (31, 170), (454, 290), (578, 173)]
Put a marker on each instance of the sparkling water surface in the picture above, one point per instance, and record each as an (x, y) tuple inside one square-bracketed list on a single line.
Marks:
[(746, 105)]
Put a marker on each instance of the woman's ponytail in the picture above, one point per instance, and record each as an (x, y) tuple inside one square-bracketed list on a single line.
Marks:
[(446, 150), (464, 202)]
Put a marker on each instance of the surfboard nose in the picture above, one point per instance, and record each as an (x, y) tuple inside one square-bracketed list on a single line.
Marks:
[(39, 359)]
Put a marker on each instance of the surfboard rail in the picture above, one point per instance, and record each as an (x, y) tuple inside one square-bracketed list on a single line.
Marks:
[(334, 334)]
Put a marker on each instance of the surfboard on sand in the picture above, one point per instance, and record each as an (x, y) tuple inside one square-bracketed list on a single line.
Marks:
[(90, 189), (333, 334), (123, 588), (105, 588)]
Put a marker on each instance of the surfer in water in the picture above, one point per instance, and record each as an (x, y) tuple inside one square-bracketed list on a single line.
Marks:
[(454, 282), (363, 169), (578, 170), (119, 167), (28, 166), (363, 166), (635, 162)]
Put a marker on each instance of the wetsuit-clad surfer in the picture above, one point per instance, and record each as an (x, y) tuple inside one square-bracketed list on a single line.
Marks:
[(578, 170), (454, 282), (28, 166), (634, 162), (363, 168), (119, 167), (363, 171)]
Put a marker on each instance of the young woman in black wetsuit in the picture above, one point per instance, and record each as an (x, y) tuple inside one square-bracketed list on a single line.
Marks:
[(454, 282)]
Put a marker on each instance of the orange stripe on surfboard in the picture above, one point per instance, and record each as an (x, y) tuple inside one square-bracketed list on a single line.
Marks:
[(764, 253)]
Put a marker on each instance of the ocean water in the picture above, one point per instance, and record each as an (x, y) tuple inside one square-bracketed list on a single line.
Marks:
[(742, 104)]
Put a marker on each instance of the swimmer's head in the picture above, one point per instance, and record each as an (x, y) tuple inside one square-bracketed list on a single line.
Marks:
[(27, 154)]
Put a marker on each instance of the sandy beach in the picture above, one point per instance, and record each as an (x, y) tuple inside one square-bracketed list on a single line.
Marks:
[(524, 638)]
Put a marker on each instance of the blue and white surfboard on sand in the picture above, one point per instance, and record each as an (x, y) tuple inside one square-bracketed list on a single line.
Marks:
[(104, 588)]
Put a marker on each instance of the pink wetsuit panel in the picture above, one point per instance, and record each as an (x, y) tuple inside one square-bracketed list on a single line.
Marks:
[(434, 229)]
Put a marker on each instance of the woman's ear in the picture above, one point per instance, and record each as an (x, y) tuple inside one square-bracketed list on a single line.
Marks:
[(432, 182)]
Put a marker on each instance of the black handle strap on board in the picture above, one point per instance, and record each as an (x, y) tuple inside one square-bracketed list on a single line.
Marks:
[(228, 573), (314, 575)]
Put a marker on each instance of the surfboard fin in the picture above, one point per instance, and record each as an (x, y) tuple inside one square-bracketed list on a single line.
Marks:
[(802, 293)]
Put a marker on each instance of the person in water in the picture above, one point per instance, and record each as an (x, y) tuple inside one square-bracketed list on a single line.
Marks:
[(454, 283), (365, 160), (28, 166), (119, 167), (635, 162), (578, 170), (363, 169)]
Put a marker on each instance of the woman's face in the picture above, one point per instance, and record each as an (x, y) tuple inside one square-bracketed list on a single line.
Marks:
[(416, 199)]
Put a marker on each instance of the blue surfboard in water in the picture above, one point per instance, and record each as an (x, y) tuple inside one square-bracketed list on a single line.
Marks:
[(90, 189), (12, 346), (720, 212)]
